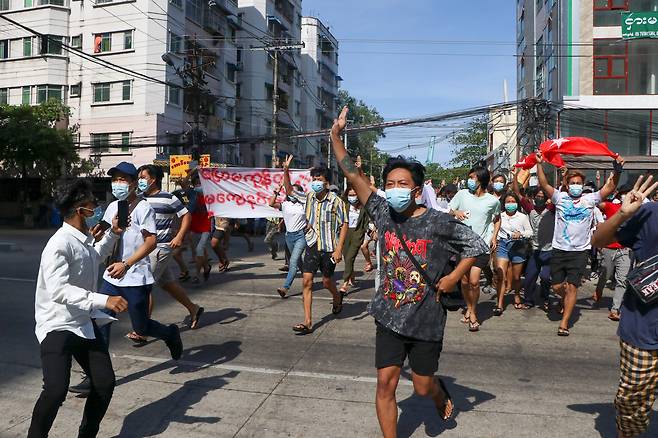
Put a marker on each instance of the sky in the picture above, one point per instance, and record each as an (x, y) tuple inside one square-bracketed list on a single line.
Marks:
[(411, 58)]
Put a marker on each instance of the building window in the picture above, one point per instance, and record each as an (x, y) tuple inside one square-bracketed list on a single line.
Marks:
[(27, 46), (4, 96), (230, 71), (230, 113), (102, 42), (76, 42), (51, 45), (128, 40), (74, 90), (298, 108), (608, 12), (622, 67), (125, 141), (101, 92), (269, 91), (177, 3), (174, 43), (194, 10), (100, 143), (26, 97), (238, 91), (4, 5), (4, 49), (126, 90), (47, 92), (173, 95), (27, 3)]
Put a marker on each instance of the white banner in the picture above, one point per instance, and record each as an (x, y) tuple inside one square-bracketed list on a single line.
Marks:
[(244, 192)]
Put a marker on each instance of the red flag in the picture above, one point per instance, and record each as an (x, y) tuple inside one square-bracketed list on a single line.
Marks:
[(574, 146), (529, 161)]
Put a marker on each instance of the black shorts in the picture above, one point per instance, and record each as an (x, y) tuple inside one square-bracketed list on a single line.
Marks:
[(218, 234), (482, 261), (568, 266), (315, 259), (391, 349)]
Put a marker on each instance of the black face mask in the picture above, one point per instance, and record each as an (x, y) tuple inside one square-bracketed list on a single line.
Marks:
[(540, 203)]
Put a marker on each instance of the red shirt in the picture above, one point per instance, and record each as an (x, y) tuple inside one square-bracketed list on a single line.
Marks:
[(200, 219), (609, 210)]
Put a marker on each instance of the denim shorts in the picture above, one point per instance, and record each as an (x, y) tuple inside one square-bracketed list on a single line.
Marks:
[(512, 250)]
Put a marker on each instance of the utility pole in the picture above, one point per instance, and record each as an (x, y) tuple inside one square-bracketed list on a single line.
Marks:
[(274, 50)]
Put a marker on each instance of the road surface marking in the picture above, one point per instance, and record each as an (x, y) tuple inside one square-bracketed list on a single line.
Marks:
[(25, 280), (260, 370)]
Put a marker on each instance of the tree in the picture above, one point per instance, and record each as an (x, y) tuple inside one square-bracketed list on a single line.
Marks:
[(363, 143), (438, 173), (34, 141), (470, 143)]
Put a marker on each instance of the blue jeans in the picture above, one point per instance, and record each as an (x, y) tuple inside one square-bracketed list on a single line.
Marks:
[(538, 266), (138, 307), (296, 244)]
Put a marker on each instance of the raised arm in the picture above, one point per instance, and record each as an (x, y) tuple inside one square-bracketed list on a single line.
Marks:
[(352, 173), (515, 182), (272, 202), (286, 176), (541, 176), (613, 180)]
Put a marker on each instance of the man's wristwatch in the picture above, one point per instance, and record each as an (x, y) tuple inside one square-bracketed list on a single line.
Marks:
[(126, 264)]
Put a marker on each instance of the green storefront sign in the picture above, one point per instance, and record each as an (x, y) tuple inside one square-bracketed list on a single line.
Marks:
[(639, 25)]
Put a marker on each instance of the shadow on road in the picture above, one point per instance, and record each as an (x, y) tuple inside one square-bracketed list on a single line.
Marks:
[(194, 359), (417, 411), (604, 423), (350, 310), (155, 418), (228, 315)]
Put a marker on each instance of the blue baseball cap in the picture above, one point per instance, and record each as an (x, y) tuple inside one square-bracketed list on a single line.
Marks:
[(124, 167)]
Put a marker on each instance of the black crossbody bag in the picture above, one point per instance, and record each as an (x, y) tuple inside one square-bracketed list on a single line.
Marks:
[(451, 301), (643, 280)]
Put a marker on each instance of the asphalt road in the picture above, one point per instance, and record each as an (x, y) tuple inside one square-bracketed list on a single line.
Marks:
[(245, 373)]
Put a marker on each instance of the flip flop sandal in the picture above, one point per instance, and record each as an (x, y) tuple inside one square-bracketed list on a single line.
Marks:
[(447, 398), (498, 311), (194, 322), (223, 267), (562, 331), (302, 329), (613, 316), (282, 292), (465, 319), (473, 326), (184, 276), (137, 339)]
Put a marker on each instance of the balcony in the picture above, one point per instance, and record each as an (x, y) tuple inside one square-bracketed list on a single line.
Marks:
[(229, 7), (286, 9)]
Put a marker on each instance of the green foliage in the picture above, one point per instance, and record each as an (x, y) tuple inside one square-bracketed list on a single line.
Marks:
[(35, 141), (439, 174), (363, 143), (470, 143)]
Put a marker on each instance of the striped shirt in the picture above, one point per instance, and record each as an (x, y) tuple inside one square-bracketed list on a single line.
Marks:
[(326, 217), (168, 209)]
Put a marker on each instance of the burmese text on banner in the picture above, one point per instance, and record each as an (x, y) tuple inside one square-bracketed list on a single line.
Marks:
[(244, 192)]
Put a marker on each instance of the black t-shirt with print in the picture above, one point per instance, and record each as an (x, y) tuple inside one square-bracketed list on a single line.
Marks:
[(404, 303)]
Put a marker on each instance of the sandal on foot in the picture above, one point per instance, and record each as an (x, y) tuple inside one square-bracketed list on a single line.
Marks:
[(343, 289), (337, 308), (282, 292), (184, 276), (447, 400), (473, 326), (465, 319), (137, 339), (562, 331), (521, 306), (497, 311), (194, 320), (613, 316), (368, 267), (223, 267), (206, 272), (302, 329)]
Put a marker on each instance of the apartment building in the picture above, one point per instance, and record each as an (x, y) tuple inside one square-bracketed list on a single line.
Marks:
[(320, 86), (118, 114), (571, 52), (264, 24)]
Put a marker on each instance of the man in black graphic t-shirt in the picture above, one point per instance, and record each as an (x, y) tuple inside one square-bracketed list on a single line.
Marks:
[(409, 316)]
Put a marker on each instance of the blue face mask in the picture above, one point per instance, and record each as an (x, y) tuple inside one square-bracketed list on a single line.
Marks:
[(498, 186), (95, 219), (511, 207), (120, 190), (575, 190), (472, 184), (317, 186), (352, 199), (143, 185), (398, 198)]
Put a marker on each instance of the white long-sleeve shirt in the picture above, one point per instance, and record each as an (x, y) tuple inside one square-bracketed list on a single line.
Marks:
[(66, 285), (518, 222)]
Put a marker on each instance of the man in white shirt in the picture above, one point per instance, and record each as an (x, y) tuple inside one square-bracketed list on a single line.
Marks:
[(130, 274), (66, 307), (571, 244)]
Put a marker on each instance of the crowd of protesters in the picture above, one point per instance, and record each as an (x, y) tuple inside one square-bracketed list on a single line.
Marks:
[(536, 244)]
